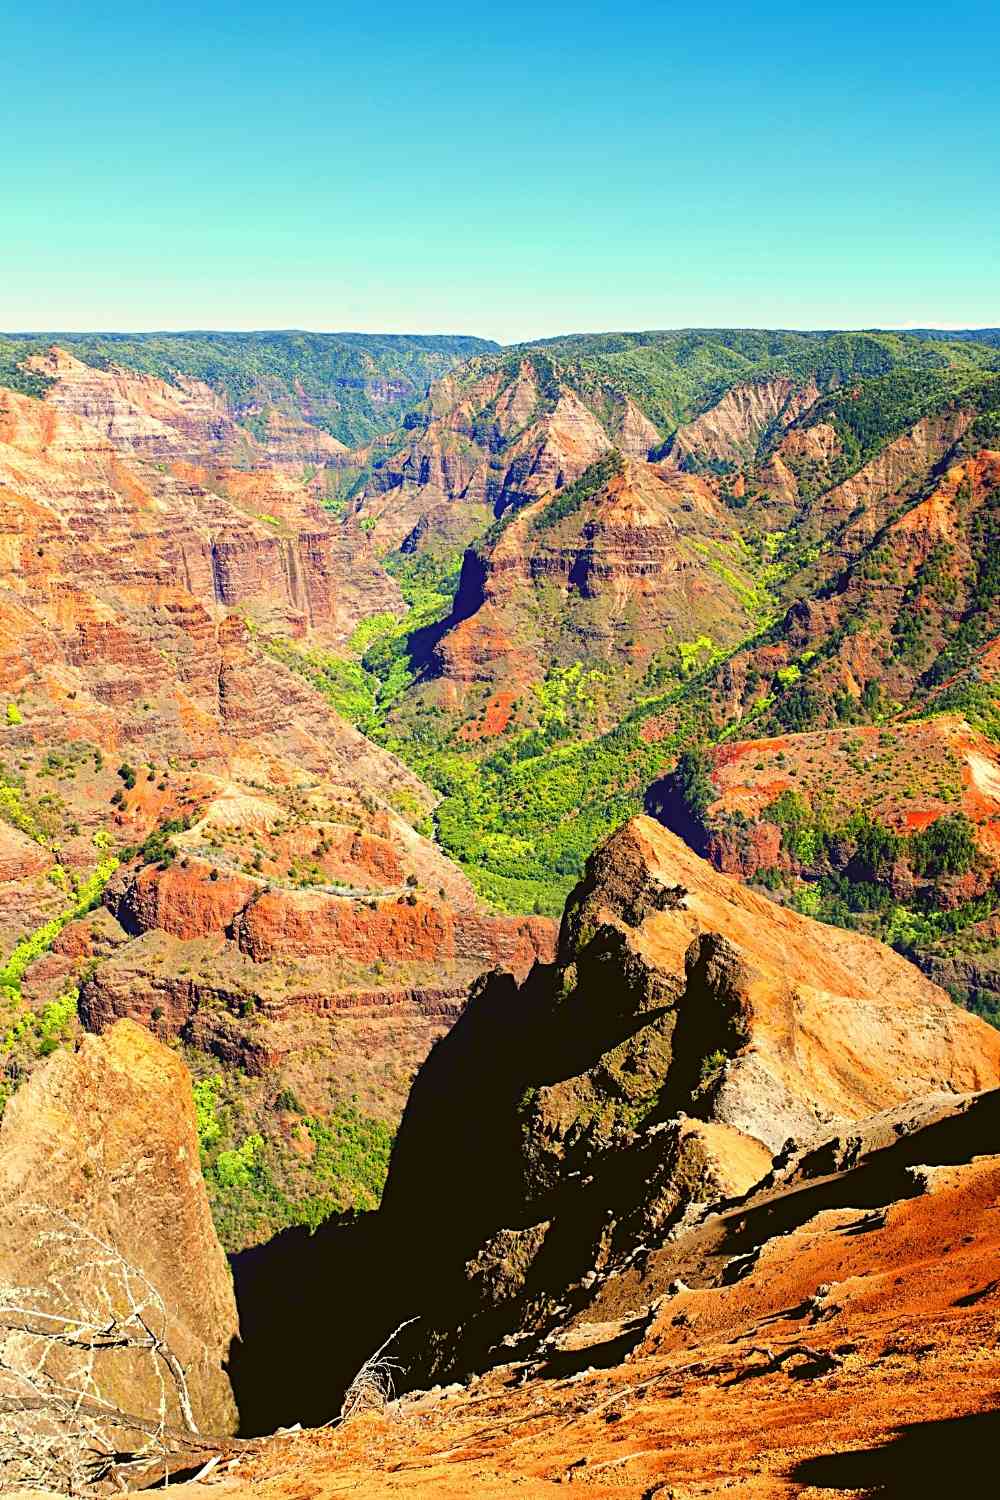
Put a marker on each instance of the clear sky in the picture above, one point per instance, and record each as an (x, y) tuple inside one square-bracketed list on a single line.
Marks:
[(512, 169)]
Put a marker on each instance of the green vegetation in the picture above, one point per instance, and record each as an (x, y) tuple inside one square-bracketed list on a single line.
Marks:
[(571, 497), (979, 702), (29, 1036), (847, 876), (27, 815), (157, 847), (43, 1030), (871, 414), (521, 812), (981, 614), (339, 380), (946, 847), (675, 375), (712, 1066), (260, 1184), (692, 780), (345, 684), (864, 847), (377, 669), (88, 895), (523, 817), (12, 376)]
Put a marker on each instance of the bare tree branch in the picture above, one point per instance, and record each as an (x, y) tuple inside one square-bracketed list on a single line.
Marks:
[(374, 1386), (59, 1342)]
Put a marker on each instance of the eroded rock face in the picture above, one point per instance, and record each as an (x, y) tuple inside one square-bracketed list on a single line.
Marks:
[(832, 1331), (105, 1138), (95, 525), (730, 431), (877, 620), (182, 419), (140, 413), (255, 999), (495, 442), (629, 564), (149, 590), (687, 1030), (20, 857)]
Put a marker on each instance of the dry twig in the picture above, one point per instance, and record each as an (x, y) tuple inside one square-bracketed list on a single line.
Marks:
[(374, 1386), (58, 1430)]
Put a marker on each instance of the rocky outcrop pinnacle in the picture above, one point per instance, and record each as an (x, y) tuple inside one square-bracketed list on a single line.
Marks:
[(687, 1030), (102, 1143)]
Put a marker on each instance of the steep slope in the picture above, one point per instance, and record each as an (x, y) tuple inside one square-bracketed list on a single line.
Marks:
[(892, 831), (496, 435), (833, 1331), (291, 389), (145, 416), (859, 564), (729, 434), (143, 722), (687, 1030), (910, 612), (626, 565), (211, 533), (508, 427), (99, 1164)]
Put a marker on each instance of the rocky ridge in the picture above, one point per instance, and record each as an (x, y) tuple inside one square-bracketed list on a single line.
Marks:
[(831, 1330), (613, 572), (688, 1031)]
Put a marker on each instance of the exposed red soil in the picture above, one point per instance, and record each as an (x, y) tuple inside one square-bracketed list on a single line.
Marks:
[(699, 1410)]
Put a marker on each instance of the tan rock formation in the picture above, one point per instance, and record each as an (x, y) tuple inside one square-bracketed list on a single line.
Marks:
[(104, 1139), (730, 431), (688, 1030)]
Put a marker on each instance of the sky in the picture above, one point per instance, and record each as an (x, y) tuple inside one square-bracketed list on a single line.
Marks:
[(513, 171)]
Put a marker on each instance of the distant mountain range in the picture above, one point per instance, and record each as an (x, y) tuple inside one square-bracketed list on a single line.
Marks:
[(351, 385)]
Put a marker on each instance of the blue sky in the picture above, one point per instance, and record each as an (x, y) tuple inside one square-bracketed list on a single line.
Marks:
[(514, 171)]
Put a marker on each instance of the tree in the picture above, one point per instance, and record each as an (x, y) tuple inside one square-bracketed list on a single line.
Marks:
[(945, 847)]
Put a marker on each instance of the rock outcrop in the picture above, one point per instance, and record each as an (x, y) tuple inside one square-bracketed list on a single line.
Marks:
[(832, 1331), (687, 1033), (892, 604), (99, 1160), (87, 517), (260, 977), (299, 925), (676, 991), (731, 431), (495, 438), (141, 414)]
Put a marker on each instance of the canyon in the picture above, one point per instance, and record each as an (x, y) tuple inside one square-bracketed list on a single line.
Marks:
[(423, 768), (729, 1189), (292, 910)]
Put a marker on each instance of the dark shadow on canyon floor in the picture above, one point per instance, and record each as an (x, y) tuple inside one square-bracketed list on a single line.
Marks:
[(923, 1461)]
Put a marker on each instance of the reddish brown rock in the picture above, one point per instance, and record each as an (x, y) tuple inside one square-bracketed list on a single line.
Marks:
[(302, 924), (188, 900), (446, 483), (645, 558), (20, 857)]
